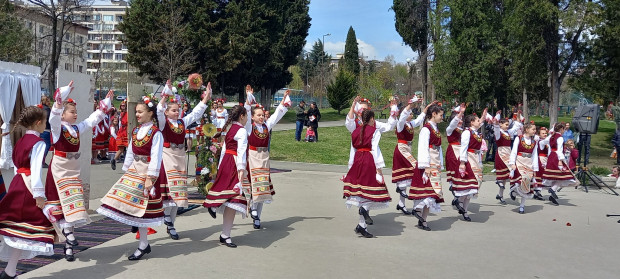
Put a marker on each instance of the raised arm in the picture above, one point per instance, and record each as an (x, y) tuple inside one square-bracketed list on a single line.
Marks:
[(349, 121), (279, 113)]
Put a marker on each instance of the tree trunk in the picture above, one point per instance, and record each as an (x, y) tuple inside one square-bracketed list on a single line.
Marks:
[(526, 110), (51, 72), (424, 60)]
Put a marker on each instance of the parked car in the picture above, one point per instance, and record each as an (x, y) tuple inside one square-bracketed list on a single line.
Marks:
[(121, 98)]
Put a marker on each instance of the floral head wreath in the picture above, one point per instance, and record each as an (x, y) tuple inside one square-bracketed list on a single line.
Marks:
[(543, 128), (259, 106), (70, 101), (148, 102), (364, 100), (40, 106), (124, 103), (220, 100)]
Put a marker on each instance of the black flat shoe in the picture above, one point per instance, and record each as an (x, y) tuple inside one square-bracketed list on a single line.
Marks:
[(3, 275), (521, 210), (256, 219), (553, 194), (170, 224), (500, 199), (553, 200), (512, 195), (68, 257), (134, 229), (401, 192), (143, 252), (466, 218), (417, 215), (458, 206), (174, 236), (223, 240), (256, 224), (420, 223), (70, 242), (423, 227), (403, 209), (364, 213), (538, 196), (113, 164), (211, 212), (363, 231)]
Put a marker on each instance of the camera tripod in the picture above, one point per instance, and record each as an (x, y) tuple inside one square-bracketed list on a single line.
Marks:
[(583, 173)]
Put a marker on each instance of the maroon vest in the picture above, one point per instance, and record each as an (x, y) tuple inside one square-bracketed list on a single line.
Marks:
[(504, 140), (406, 134), (231, 143), (524, 148), (258, 139), (435, 136), (553, 142), (366, 137), (544, 150), (143, 146), (172, 134), (455, 137), (475, 141), (23, 147), (66, 142)]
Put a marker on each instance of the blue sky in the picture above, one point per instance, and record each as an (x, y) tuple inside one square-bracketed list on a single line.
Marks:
[(372, 20)]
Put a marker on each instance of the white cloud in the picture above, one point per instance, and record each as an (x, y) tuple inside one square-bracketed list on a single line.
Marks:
[(370, 52)]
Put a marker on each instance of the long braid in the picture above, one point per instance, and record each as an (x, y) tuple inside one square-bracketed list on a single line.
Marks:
[(366, 116), (29, 117)]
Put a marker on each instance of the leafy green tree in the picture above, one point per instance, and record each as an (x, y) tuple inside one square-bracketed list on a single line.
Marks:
[(15, 39), (341, 90), (351, 53)]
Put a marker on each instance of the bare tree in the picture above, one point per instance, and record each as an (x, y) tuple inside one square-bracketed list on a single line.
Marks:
[(61, 14)]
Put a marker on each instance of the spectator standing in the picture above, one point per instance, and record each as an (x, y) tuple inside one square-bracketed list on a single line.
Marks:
[(45, 101), (568, 134), (314, 116), (616, 142), (301, 118)]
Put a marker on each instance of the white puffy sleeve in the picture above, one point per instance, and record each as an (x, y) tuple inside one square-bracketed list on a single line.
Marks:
[(376, 152), (161, 116), (544, 141), (496, 131), (465, 135), (242, 145), (453, 125), (113, 131), (55, 123), (515, 129), (196, 113), (248, 123), (36, 157), (514, 151), (276, 116), (129, 154), (424, 156), (91, 121), (402, 120), (419, 120), (350, 123), (156, 154), (386, 127), (535, 160), (560, 150)]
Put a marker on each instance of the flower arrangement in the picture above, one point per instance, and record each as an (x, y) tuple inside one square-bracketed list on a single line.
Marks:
[(207, 156)]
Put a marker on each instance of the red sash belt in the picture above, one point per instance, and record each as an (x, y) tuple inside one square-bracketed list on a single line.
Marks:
[(231, 152), (403, 141), (455, 143), (60, 153), (524, 153), (221, 117), (472, 150), (363, 149), (167, 144), (554, 149), (25, 171), (542, 154)]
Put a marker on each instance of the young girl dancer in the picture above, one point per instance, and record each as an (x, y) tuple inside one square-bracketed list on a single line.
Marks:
[(258, 155), (226, 196), (403, 162), (25, 229), (112, 146), (121, 134), (557, 174), (542, 147), (135, 199), (523, 164), (219, 116), (453, 134), (363, 188), (467, 181), (426, 184), (63, 185), (503, 138), (175, 165)]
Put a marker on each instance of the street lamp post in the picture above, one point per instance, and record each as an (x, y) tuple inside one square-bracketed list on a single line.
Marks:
[(323, 67)]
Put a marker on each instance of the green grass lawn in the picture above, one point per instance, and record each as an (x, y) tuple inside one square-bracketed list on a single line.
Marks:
[(327, 114), (334, 144)]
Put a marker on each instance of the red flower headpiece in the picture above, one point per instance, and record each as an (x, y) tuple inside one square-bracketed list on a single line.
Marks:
[(220, 100), (531, 121), (40, 106), (259, 106), (70, 101), (543, 128), (147, 101), (364, 100)]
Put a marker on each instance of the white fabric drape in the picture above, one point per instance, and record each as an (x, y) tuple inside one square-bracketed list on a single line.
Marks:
[(8, 89), (31, 89)]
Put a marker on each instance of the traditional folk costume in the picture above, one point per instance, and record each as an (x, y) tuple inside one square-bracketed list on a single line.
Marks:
[(63, 186), (503, 139), (101, 134), (552, 176), (219, 118), (258, 167), (542, 146), (427, 191), (352, 124), (524, 156), (466, 185), (121, 136), (112, 145), (363, 187), (226, 195), (174, 162), (25, 229), (453, 133), (2, 187), (403, 162)]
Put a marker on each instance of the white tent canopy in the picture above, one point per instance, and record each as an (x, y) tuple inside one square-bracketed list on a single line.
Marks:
[(12, 77)]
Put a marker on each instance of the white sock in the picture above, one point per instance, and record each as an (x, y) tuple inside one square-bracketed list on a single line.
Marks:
[(401, 203), (167, 212), (555, 188), (144, 241), (227, 223), (173, 214), (501, 189), (362, 222), (11, 265), (522, 201), (466, 204), (257, 209), (70, 237)]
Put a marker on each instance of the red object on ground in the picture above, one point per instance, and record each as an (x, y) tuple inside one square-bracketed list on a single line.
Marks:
[(553, 220), (568, 224), (151, 231)]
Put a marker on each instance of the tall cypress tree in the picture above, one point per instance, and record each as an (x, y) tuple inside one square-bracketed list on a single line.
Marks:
[(351, 53)]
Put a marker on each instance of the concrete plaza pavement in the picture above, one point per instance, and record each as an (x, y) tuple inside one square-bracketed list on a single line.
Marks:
[(308, 233)]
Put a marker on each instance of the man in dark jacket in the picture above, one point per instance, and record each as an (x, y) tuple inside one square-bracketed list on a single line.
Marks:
[(45, 101), (301, 118)]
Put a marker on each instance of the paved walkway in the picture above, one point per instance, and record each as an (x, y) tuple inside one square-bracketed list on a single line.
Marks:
[(308, 233)]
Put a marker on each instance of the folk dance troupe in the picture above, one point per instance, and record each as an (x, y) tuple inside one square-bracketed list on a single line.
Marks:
[(35, 214)]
